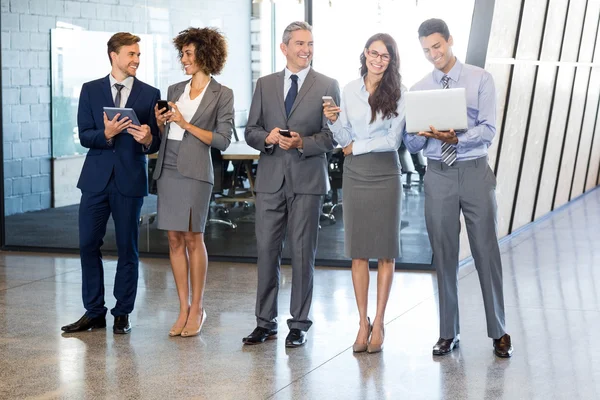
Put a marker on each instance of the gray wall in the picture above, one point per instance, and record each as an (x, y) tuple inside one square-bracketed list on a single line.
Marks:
[(26, 96)]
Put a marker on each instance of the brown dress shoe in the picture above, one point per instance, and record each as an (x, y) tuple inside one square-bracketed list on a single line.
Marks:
[(445, 346), (503, 346)]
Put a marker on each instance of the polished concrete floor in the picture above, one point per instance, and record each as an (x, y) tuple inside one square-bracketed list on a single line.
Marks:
[(552, 291)]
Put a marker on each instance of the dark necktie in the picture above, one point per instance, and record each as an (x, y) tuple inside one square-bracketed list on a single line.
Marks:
[(119, 87), (448, 151), (291, 95)]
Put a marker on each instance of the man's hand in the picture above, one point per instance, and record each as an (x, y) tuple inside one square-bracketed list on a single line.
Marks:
[(295, 142), (113, 127), (444, 136), (141, 134), (273, 137), (348, 149)]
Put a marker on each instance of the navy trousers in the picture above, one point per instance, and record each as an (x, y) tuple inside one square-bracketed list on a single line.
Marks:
[(94, 211)]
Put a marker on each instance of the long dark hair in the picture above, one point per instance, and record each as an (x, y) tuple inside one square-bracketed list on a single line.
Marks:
[(386, 95)]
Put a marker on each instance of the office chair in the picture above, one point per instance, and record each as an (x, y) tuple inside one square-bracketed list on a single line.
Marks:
[(335, 167), (152, 189), (220, 176)]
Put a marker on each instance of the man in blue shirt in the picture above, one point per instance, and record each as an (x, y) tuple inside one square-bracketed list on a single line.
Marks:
[(459, 178)]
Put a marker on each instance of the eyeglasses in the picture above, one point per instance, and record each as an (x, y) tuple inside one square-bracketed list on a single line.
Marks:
[(375, 54)]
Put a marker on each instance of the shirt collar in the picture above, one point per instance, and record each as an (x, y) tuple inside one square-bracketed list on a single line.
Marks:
[(127, 82), (363, 85), (301, 74), (453, 74)]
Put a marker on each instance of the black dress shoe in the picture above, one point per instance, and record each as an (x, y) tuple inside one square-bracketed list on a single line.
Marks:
[(122, 325), (503, 346), (295, 338), (445, 346), (259, 335), (85, 323)]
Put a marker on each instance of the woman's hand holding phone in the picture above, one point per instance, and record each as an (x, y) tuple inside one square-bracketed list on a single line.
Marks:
[(330, 109), (162, 113)]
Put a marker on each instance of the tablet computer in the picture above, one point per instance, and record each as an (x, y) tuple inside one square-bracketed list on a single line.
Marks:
[(444, 109), (125, 112)]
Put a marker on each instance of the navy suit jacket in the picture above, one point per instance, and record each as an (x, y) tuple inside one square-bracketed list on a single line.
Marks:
[(125, 156)]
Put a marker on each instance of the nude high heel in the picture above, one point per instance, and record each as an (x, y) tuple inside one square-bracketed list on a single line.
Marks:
[(362, 347), (376, 348), (175, 331), (195, 332)]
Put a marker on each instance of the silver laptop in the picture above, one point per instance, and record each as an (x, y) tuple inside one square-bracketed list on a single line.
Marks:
[(444, 109)]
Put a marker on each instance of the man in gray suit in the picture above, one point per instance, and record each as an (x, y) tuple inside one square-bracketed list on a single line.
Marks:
[(459, 179), (287, 125)]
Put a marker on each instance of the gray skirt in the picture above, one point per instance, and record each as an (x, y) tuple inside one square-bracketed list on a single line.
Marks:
[(182, 202), (372, 194)]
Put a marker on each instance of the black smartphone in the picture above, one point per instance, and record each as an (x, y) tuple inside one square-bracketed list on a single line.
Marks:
[(163, 104), (285, 132)]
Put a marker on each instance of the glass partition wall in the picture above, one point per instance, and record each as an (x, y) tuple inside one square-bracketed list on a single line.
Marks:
[(50, 53)]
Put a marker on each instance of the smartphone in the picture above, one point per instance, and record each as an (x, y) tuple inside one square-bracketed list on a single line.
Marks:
[(163, 104), (285, 132), (329, 100)]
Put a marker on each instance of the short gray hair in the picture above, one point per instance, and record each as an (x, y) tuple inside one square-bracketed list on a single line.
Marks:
[(294, 26)]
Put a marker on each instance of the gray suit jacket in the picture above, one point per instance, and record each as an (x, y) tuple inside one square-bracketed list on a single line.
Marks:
[(215, 113), (307, 170)]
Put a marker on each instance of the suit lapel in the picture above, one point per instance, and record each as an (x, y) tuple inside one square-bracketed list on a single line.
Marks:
[(310, 80), (175, 95), (210, 94), (136, 89), (279, 89), (178, 91), (107, 92)]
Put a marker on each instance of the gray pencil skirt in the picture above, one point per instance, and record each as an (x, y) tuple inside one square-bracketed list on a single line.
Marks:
[(182, 202), (372, 194)]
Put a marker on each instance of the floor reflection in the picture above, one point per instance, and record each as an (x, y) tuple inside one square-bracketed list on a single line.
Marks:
[(550, 275)]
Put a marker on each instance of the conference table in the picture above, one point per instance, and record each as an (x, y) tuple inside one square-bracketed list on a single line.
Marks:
[(241, 152)]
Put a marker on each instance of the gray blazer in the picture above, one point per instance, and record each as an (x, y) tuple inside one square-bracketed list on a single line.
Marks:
[(308, 169), (215, 113)]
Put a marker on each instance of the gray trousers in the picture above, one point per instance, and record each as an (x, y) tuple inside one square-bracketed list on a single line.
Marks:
[(468, 186), (293, 219)]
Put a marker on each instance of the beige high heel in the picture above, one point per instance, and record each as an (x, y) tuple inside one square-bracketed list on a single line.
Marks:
[(189, 333), (376, 348), (175, 331), (362, 347)]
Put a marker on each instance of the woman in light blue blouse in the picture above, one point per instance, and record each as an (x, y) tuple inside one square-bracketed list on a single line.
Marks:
[(368, 126)]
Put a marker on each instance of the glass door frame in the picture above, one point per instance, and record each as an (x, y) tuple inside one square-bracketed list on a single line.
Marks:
[(482, 14)]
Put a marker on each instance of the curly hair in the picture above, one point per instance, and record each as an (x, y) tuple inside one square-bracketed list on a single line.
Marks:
[(210, 48), (386, 95)]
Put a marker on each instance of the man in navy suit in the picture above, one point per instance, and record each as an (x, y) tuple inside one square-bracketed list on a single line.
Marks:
[(113, 180)]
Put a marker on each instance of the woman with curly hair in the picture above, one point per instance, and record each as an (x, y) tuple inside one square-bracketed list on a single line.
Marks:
[(200, 116), (368, 126)]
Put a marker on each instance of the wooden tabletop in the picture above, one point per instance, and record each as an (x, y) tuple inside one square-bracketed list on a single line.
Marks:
[(240, 151)]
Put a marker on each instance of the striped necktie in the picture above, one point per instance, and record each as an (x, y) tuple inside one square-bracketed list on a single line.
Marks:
[(448, 151)]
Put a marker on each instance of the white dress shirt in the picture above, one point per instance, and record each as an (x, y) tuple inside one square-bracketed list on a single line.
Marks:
[(187, 107), (354, 122), (287, 82), (125, 92)]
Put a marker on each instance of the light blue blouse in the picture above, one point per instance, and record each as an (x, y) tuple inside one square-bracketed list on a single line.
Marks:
[(353, 123)]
